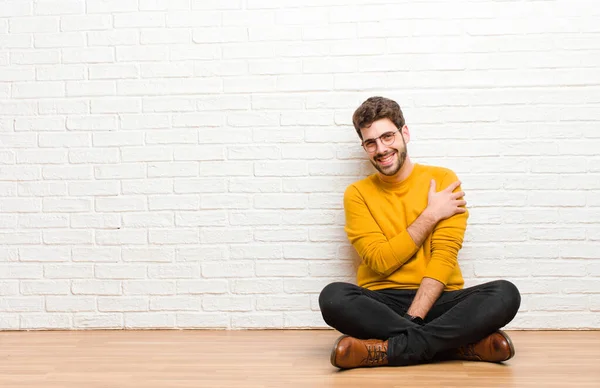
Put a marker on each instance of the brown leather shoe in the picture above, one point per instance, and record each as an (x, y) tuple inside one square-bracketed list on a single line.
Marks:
[(349, 352), (496, 347)]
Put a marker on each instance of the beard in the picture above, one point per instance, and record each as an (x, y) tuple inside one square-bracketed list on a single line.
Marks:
[(398, 160)]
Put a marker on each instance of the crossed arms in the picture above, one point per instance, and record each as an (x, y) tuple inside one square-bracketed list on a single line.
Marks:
[(385, 256)]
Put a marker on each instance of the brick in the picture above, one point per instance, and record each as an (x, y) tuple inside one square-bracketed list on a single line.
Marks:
[(59, 73), (35, 57), (257, 286), (60, 205), (38, 90), (202, 320), (227, 270), (282, 269), (280, 201), (175, 303), (94, 188), (111, 6), (71, 237), (202, 286), (113, 37), (139, 19), (227, 303), (85, 22), (42, 189), (45, 287), (199, 253), (59, 40), (33, 24), (200, 185), (148, 287), (174, 236), (96, 254), (280, 234), (146, 154), (283, 303), (10, 287), (67, 172), (173, 271), (45, 321), (304, 320), (149, 320), (20, 205), (148, 220), (254, 185), (64, 140), (218, 235), (44, 254), (61, 107), (147, 186), (119, 237), (253, 251), (20, 271), (97, 321), (122, 171), (68, 271), (254, 320), (202, 218), (252, 218), (67, 304), (88, 55), (174, 202), (19, 173), (123, 304)]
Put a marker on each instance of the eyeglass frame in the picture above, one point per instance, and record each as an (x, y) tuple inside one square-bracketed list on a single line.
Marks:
[(379, 138)]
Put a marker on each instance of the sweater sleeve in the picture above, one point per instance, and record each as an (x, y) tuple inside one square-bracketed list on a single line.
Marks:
[(446, 240), (379, 253)]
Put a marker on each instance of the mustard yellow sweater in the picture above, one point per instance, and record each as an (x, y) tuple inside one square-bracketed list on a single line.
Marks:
[(377, 217)]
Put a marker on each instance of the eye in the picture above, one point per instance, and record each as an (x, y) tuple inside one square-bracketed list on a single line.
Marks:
[(387, 136), (370, 143)]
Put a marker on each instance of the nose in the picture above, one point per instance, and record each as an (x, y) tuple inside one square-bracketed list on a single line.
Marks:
[(380, 146)]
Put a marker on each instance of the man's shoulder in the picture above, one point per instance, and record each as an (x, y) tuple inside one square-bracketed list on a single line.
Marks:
[(436, 171), (360, 185)]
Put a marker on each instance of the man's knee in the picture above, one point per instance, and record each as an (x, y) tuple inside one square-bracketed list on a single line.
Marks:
[(510, 296), (331, 299)]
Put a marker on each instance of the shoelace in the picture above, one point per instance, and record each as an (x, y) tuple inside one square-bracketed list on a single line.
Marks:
[(376, 354), (468, 352)]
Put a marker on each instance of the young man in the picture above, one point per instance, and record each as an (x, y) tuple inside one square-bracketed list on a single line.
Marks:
[(409, 305)]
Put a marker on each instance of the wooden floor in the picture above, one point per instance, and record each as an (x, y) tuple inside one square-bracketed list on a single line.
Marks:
[(147, 359)]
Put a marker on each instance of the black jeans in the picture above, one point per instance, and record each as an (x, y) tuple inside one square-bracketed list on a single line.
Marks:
[(457, 318)]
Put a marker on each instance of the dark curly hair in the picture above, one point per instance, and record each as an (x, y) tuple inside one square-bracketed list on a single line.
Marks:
[(375, 108)]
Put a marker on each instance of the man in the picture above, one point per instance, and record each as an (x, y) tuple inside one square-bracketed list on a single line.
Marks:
[(409, 305)]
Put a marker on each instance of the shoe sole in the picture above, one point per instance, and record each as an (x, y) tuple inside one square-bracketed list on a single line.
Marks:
[(335, 345), (510, 344)]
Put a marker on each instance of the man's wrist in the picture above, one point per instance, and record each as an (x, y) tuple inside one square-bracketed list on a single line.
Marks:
[(414, 319), (430, 216)]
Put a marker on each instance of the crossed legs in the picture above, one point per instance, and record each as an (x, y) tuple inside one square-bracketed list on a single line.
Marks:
[(458, 318)]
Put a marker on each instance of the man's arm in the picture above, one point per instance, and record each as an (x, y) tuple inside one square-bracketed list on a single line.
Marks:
[(429, 291), (446, 242), (386, 256)]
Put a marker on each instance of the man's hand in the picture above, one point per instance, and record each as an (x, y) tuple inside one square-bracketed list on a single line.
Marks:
[(445, 204)]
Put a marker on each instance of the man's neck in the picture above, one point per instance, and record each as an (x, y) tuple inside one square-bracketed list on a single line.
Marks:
[(400, 175)]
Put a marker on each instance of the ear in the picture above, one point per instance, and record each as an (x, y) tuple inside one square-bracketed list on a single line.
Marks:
[(405, 133)]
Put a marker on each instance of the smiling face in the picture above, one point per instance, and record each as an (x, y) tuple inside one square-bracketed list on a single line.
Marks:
[(387, 157)]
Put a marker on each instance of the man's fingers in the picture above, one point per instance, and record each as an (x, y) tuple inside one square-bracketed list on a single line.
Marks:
[(461, 203), (458, 194), (432, 188), (453, 186)]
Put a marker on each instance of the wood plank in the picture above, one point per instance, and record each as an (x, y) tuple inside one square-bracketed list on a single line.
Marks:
[(272, 358)]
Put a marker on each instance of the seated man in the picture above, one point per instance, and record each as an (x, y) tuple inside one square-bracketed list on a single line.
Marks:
[(409, 305)]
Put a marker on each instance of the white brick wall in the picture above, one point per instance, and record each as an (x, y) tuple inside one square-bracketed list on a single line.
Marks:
[(181, 163)]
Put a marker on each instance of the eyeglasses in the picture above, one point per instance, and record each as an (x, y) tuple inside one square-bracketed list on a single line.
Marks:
[(370, 145)]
